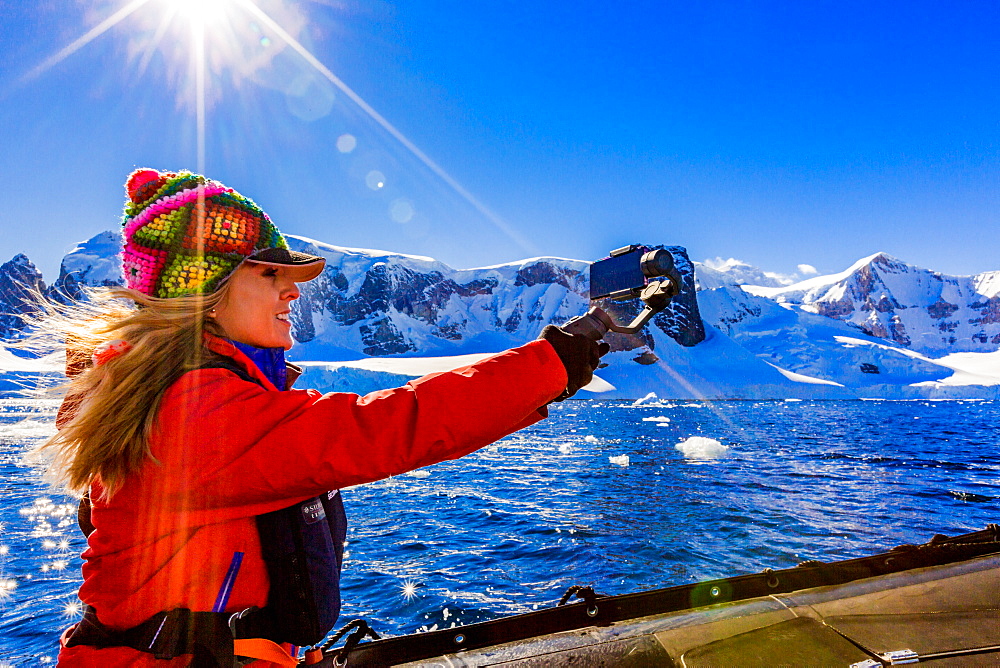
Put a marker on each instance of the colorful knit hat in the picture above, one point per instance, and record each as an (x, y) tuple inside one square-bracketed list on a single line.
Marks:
[(184, 235)]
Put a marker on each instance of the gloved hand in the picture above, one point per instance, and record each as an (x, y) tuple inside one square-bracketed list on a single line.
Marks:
[(579, 355)]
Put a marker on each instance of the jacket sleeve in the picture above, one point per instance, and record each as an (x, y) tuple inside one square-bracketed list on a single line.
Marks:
[(224, 442)]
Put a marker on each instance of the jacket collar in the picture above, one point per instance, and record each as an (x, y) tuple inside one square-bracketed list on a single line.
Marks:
[(271, 361), (221, 346)]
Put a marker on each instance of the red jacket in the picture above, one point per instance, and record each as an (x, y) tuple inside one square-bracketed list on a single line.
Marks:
[(226, 450)]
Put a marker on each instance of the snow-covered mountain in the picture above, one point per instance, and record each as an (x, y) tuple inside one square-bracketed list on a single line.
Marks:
[(93, 263), (922, 310), (388, 304), (378, 303), (881, 328)]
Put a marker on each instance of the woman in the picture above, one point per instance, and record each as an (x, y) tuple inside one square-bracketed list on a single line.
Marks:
[(210, 486)]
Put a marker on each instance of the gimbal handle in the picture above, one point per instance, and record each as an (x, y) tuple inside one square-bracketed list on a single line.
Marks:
[(595, 323)]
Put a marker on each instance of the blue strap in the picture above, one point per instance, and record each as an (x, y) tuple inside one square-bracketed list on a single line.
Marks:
[(222, 600)]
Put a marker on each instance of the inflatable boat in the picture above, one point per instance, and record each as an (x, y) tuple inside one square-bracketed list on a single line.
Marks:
[(936, 603)]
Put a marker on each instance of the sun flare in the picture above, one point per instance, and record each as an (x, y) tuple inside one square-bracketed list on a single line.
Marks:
[(207, 50), (202, 14)]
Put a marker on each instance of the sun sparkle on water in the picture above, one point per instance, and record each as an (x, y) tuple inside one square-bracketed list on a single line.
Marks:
[(7, 588), (409, 589)]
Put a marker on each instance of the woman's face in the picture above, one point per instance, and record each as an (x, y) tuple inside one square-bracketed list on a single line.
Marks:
[(256, 308)]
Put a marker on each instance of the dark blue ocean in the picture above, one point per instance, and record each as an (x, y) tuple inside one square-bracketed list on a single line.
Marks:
[(598, 494)]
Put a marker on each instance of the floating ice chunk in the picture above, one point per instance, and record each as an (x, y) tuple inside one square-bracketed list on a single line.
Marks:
[(590, 439), (657, 418), (565, 448), (598, 384), (648, 399), (621, 460), (419, 473), (700, 447)]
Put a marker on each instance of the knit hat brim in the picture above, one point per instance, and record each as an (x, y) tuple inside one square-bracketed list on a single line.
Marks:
[(301, 267)]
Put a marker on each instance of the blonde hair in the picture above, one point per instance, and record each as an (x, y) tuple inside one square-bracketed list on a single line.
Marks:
[(110, 409)]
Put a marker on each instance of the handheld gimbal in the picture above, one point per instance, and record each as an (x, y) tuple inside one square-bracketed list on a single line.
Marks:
[(627, 274)]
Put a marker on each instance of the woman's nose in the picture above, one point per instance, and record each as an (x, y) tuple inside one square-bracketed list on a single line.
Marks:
[(290, 290)]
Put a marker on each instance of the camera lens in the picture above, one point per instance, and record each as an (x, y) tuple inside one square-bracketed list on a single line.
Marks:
[(657, 263)]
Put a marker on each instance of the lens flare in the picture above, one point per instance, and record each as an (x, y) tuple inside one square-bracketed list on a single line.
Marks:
[(346, 143), (375, 180)]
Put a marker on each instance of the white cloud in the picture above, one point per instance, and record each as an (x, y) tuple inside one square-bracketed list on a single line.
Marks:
[(723, 265), (747, 273)]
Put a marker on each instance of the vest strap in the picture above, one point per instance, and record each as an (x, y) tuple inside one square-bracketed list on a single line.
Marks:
[(165, 635), (260, 648)]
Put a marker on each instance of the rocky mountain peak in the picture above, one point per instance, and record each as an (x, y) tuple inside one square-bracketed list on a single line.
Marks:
[(20, 286)]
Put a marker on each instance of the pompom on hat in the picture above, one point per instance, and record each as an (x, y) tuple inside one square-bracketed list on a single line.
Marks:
[(184, 235)]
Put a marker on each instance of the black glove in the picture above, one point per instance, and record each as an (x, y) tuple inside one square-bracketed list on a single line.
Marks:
[(579, 355)]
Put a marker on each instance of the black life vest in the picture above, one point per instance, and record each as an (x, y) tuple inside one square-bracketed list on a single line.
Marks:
[(303, 549)]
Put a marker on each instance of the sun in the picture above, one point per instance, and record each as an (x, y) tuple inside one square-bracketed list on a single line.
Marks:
[(194, 43), (202, 14), (199, 42)]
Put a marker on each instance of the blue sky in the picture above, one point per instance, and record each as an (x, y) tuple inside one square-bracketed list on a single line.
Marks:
[(777, 133)]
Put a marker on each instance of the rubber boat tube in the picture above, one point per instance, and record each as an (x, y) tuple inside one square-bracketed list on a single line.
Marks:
[(936, 603)]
